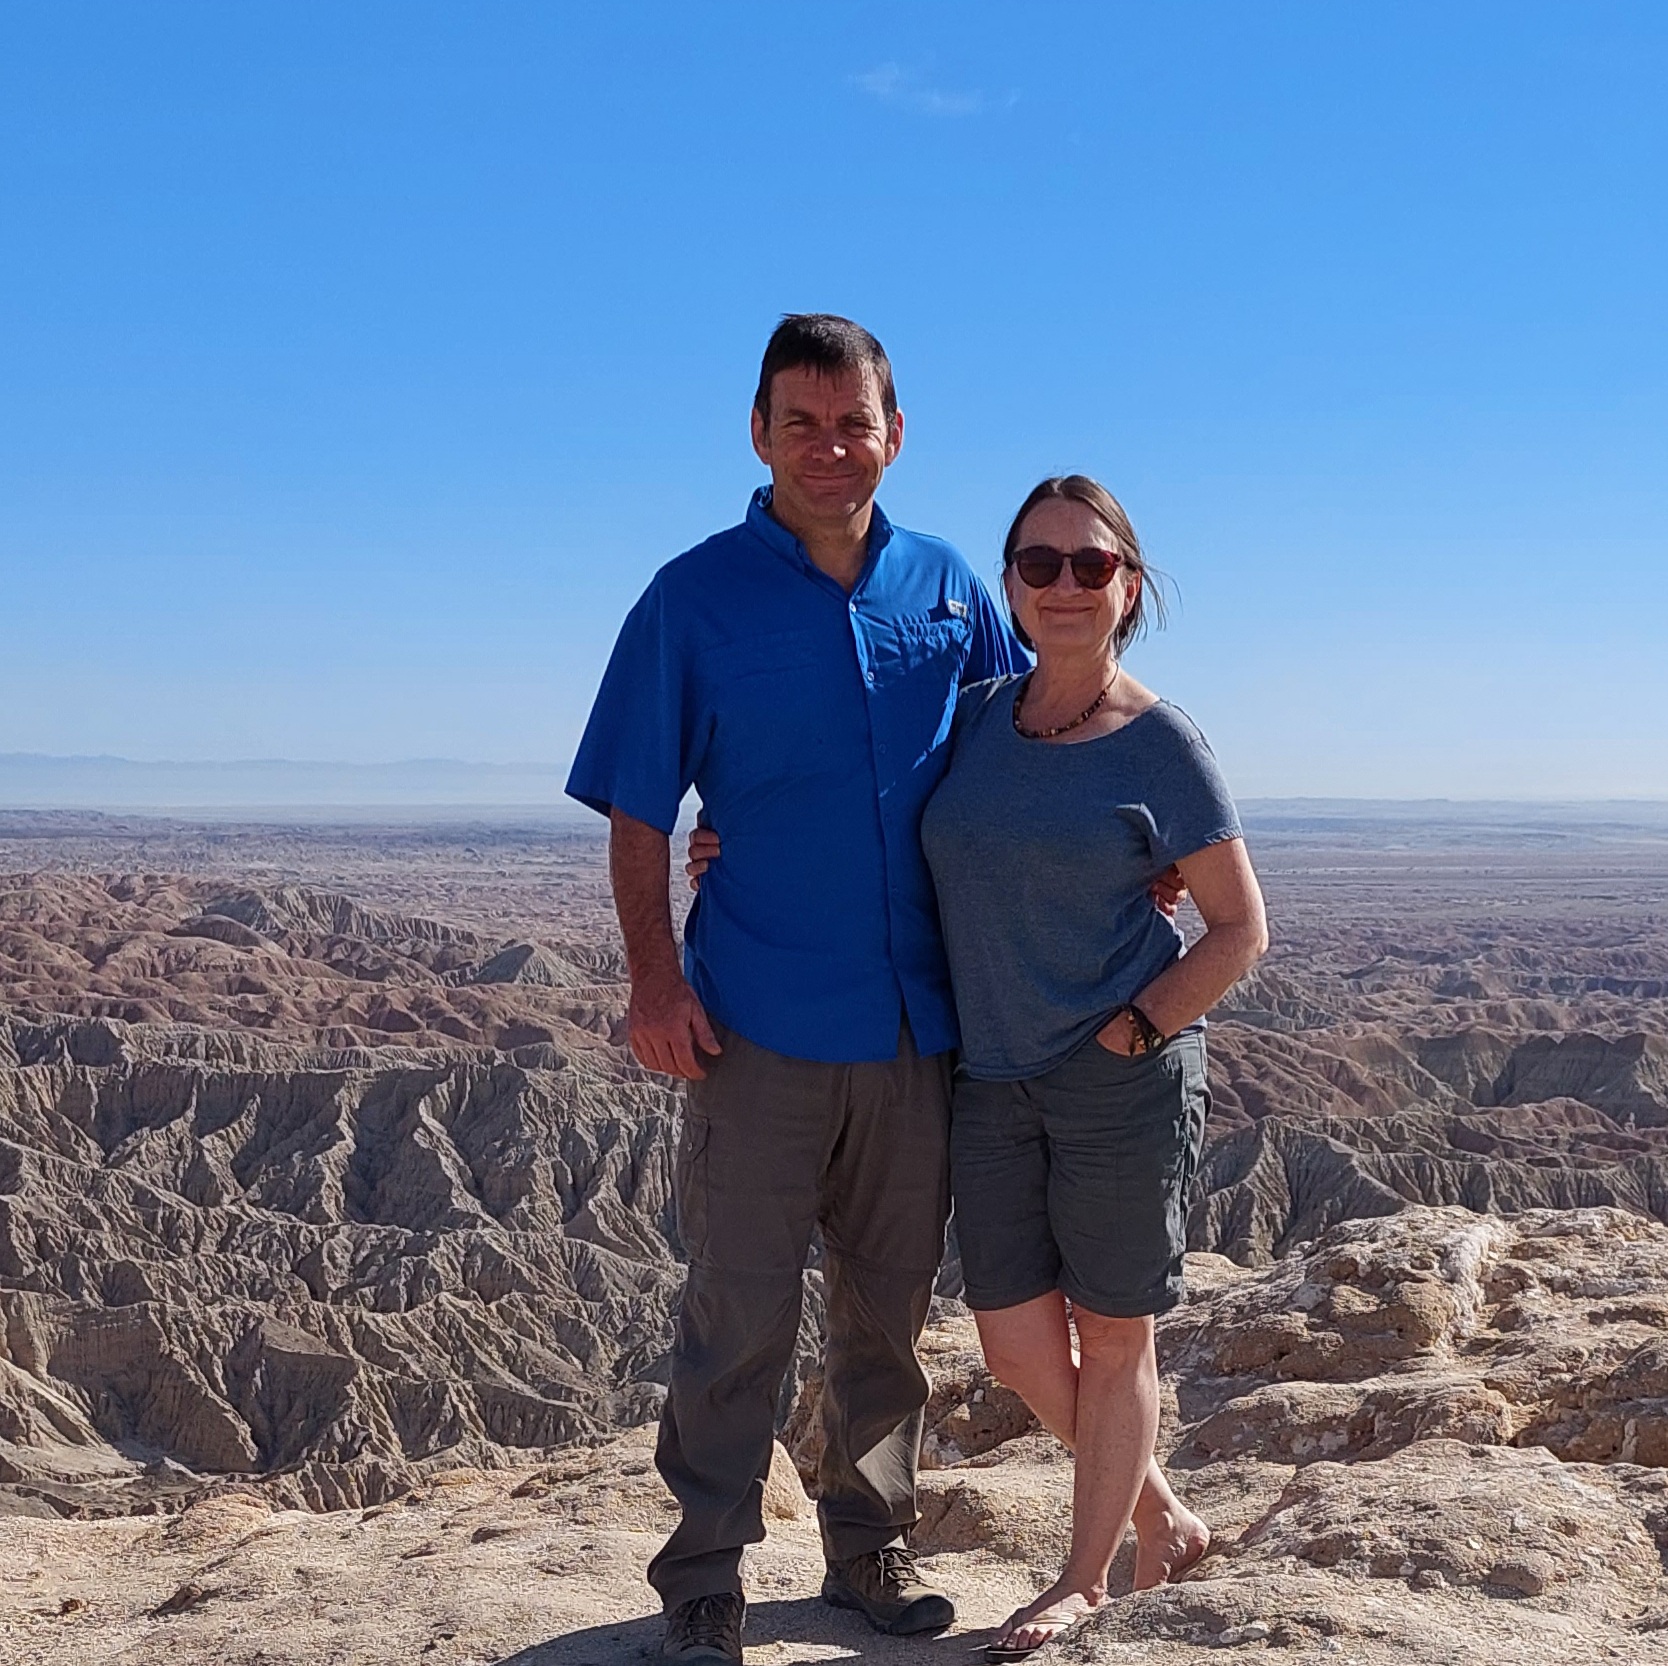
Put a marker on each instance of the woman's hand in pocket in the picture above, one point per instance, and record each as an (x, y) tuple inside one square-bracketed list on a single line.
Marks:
[(1117, 1034)]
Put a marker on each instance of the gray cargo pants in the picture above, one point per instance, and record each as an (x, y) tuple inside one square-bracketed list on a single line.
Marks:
[(772, 1147)]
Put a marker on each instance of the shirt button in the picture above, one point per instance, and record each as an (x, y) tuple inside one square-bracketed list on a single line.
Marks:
[(868, 676), (852, 607)]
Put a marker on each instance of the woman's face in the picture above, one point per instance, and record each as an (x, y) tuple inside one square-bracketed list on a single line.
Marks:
[(1065, 617)]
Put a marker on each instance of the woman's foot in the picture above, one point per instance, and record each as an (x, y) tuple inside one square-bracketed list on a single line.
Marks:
[(1167, 1544), (1057, 1610)]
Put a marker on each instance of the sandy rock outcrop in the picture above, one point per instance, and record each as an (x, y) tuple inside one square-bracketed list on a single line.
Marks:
[(1370, 1521)]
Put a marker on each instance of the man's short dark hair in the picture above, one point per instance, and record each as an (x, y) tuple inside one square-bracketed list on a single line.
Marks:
[(829, 345)]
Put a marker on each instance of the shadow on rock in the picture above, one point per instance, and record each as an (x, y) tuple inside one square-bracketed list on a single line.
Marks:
[(807, 1621)]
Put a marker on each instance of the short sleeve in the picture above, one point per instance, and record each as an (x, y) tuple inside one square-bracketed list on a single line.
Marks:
[(1189, 803), (640, 750), (995, 650)]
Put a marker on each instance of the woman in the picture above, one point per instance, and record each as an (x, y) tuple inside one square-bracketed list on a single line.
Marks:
[(1080, 1098)]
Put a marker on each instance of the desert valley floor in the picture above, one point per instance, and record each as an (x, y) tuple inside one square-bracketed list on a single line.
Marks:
[(337, 1263)]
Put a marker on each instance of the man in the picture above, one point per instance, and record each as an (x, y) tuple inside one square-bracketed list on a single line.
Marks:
[(800, 671)]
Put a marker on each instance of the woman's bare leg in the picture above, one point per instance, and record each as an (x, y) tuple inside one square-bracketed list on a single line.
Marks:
[(1029, 1348), (1116, 1425)]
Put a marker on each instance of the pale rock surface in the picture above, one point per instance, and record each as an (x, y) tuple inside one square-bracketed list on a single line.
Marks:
[(1372, 1428)]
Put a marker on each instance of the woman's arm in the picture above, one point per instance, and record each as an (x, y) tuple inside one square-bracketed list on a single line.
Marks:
[(1230, 902)]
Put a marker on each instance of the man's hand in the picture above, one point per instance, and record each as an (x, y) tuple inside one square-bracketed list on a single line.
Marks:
[(704, 851), (669, 1028), (1166, 891), (667, 1025)]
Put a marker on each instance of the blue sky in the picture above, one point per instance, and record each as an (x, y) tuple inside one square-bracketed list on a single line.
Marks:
[(360, 362)]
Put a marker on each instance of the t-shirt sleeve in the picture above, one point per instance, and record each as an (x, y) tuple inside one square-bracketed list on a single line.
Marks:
[(641, 748), (995, 651), (1190, 804), (967, 703)]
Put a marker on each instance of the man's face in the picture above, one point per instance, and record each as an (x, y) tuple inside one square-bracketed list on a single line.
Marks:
[(827, 443)]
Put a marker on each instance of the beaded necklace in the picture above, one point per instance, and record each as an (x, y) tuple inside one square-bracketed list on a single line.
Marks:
[(1063, 728)]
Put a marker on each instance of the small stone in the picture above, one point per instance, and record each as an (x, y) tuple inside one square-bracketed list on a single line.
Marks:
[(784, 1493), (1428, 1579), (1528, 1573), (189, 1595)]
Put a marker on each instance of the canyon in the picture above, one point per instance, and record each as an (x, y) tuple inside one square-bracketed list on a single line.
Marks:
[(335, 1219)]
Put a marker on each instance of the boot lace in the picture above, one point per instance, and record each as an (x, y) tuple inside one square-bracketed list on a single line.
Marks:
[(897, 1566), (711, 1621)]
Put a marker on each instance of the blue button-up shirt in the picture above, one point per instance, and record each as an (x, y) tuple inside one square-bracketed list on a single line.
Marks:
[(814, 725)]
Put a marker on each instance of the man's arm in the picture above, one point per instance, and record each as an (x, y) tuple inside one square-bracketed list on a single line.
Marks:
[(667, 1024), (994, 650)]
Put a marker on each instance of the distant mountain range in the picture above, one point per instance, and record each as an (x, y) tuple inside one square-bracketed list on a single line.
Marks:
[(40, 781)]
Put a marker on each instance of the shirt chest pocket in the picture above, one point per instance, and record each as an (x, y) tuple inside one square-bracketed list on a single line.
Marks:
[(933, 648), (762, 685)]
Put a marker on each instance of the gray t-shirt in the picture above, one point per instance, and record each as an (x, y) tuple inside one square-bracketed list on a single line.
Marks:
[(1042, 855)]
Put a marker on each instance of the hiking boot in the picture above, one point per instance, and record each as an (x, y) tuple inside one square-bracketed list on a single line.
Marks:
[(707, 1629), (890, 1591)]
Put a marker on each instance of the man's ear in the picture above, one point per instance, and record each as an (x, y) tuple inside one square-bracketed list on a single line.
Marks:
[(894, 438), (761, 438)]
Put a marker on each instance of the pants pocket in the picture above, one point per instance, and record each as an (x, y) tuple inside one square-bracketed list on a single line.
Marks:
[(689, 1184)]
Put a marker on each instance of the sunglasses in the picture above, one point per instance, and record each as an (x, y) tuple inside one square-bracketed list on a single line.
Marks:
[(1039, 566)]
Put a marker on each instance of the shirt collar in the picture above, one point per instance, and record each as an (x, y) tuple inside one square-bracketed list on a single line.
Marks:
[(769, 531)]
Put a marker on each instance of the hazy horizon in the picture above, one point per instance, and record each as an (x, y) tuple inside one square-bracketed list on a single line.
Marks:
[(452, 786)]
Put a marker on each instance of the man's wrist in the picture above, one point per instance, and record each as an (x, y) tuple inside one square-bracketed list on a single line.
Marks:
[(658, 971)]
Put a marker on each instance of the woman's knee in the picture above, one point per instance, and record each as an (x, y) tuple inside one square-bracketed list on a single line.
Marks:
[(1007, 1359), (1022, 1343), (1114, 1342)]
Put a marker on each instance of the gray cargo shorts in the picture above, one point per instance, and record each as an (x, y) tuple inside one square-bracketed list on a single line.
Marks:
[(1078, 1179)]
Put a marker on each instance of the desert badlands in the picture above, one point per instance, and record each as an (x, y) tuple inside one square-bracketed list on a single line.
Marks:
[(337, 1262)]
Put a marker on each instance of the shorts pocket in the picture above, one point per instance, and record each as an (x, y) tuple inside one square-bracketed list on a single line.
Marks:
[(1124, 1065)]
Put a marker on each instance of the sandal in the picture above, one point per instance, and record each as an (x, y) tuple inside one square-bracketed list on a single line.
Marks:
[(1057, 1620)]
